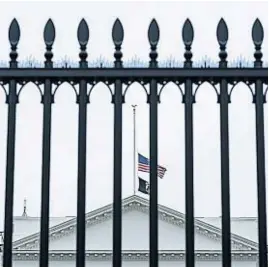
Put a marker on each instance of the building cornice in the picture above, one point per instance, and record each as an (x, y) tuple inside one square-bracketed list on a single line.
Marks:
[(134, 255)]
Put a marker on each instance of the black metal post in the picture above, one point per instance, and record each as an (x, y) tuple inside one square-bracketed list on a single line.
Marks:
[(81, 192), (225, 175), (153, 99), (82, 100), (223, 100), (153, 224), (259, 100), (189, 230), (117, 100), (12, 100), (260, 147), (188, 100), (117, 214), (47, 100)]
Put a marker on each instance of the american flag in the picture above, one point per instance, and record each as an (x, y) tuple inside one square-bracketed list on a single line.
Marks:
[(143, 166)]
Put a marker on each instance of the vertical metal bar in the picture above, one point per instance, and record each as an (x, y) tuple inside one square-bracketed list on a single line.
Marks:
[(47, 100), (12, 100), (225, 174), (153, 125), (117, 195), (189, 230), (260, 147), (81, 193), (135, 151)]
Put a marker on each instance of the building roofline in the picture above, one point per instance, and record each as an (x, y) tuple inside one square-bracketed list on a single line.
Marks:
[(136, 202)]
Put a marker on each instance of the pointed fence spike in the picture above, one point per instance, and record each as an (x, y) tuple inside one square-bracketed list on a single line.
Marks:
[(49, 33), (187, 32), (153, 33), (117, 33), (14, 33), (222, 32), (257, 32), (83, 33)]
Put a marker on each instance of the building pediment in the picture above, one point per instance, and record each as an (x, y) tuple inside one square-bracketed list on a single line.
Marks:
[(139, 204)]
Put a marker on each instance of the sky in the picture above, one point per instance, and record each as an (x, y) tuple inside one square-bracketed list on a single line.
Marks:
[(135, 17)]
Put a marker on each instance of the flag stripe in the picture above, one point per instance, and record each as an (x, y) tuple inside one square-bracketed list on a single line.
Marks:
[(144, 166)]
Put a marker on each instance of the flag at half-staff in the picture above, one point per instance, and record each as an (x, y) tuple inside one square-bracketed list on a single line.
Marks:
[(143, 186), (144, 166)]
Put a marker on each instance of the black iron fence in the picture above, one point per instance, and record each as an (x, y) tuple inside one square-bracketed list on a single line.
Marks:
[(14, 78)]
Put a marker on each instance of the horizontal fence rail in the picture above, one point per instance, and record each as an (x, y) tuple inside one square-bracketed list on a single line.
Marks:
[(118, 79)]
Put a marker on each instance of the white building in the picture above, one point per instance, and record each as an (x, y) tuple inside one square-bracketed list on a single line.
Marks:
[(135, 238)]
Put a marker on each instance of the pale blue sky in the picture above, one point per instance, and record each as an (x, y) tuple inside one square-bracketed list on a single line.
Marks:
[(135, 18)]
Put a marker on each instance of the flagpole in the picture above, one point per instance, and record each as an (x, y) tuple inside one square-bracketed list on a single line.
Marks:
[(134, 148)]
